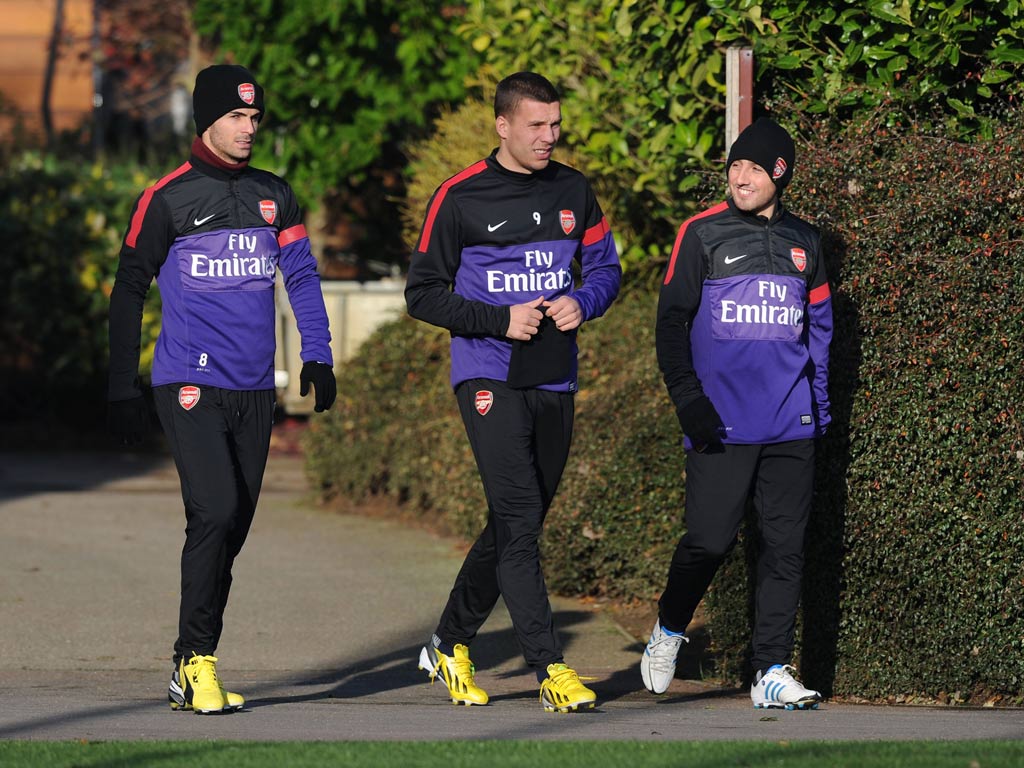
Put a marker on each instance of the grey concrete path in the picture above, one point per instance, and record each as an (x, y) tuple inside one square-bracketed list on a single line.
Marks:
[(325, 622)]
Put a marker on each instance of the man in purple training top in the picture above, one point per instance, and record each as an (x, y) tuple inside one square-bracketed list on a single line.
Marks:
[(494, 265), (743, 330), (214, 232)]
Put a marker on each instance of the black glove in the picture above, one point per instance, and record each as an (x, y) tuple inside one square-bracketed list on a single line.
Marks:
[(321, 376), (128, 420), (702, 424)]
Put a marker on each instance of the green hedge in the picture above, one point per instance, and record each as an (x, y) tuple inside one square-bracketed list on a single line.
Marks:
[(61, 223), (929, 275), (913, 581)]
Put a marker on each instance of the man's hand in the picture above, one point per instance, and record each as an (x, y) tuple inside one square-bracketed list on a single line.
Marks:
[(321, 376), (565, 311), (702, 424), (128, 420), (524, 319)]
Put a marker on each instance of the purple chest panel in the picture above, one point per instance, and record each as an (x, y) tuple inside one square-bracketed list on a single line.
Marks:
[(516, 274), (756, 307), (228, 260)]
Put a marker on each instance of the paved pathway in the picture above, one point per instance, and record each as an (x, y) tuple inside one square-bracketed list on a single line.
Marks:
[(326, 619)]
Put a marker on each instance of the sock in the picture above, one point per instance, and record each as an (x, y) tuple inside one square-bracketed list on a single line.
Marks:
[(448, 649), (542, 672), (670, 632), (760, 673)]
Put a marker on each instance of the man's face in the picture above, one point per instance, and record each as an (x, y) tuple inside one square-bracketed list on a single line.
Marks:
[(751, 188), (230, 137), (528, 135)]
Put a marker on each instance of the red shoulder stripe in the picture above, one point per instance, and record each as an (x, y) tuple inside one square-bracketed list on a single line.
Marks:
[(682, 231), (820, 293), (596, 232), (290, 235), (428, 226), (147, 196)]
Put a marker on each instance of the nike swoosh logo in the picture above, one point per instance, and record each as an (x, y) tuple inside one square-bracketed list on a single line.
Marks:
[(492, 228), (732, 259), (200, 222)]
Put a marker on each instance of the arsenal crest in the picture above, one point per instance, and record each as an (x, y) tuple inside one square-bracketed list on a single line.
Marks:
[(188, 397), (780, 169), (484, 401), (568, 221), (268, 209), (799, 257), (247, 93)]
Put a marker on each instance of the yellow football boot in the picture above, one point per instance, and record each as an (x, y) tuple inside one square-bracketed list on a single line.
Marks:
[(457, 671), (233, 701), (562, 691), (195, 686)]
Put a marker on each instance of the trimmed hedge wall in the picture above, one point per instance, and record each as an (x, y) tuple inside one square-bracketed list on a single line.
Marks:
[(922, 592), (61, 223), (913, 585)]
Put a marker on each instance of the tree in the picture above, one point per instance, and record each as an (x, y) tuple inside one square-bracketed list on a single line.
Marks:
[(52, 52), (148, 52), (345, 80)]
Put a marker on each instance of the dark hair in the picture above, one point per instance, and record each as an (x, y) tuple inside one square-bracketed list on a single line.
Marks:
[(522, 85)]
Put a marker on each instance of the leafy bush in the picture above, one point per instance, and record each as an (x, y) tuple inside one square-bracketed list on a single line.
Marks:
[(344, 80), (913, 583), (62, 224)]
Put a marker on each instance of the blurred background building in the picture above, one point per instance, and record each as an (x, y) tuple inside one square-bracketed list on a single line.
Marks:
[(113, 74), (30, 76)]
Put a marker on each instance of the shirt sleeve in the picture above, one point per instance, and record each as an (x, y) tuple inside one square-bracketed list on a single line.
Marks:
[(819, 313), (143, 252), (302, 281), (677, 304), (432, 271), (599, 263)]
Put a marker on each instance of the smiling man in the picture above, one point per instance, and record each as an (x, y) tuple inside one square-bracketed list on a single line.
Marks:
[(214, 232), (494, 266), (743, 330)]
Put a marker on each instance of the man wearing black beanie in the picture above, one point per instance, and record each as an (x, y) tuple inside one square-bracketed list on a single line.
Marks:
[(214, 232), (221, 88), (743, 330)]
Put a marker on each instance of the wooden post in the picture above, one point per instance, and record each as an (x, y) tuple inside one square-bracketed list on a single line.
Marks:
[(739, 92)]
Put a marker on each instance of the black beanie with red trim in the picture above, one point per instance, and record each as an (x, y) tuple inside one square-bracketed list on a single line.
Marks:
[(223, 88), (770, 146)]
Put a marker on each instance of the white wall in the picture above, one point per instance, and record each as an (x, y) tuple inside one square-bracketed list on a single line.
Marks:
[(354, 310)]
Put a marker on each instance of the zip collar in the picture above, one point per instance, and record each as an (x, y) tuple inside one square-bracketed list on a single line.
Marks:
[(526, 179), (204, 160), (754, 218)]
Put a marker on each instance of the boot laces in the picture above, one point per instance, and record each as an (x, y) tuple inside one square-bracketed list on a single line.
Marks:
[(563, 676), (206, 671), (663, 651), (464, 670)]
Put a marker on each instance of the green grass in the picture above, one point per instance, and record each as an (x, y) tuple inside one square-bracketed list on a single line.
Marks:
[(484, 754)]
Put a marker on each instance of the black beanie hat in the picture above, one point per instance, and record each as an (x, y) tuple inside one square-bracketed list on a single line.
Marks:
[(221, 89), (767, 144)]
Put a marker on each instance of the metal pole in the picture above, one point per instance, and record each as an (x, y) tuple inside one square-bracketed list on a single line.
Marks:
[(739, 92)]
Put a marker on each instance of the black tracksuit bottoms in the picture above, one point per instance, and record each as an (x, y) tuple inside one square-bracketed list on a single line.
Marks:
[(780, 477), (520, 439), (220, 446)]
